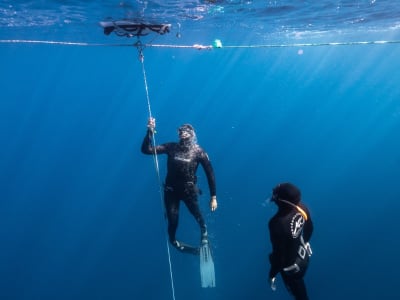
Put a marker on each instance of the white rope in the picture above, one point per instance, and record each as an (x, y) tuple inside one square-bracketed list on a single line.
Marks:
[(155, 158)]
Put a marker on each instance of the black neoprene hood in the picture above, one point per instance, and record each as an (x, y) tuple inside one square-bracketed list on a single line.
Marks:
[(287, 191)]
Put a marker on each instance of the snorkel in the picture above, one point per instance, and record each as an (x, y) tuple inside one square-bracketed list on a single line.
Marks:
[(299, 209)]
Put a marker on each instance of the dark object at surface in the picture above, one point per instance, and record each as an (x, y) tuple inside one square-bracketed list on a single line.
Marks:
[(130, 28)]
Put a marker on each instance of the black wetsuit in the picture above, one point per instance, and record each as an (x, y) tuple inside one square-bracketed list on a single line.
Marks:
[(180, 183), (286, 229)]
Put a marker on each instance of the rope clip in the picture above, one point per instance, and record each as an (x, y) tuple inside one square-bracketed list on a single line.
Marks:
[(140, 48)]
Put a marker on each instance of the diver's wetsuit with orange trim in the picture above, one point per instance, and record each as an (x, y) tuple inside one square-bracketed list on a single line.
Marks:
[(289, 231), (180, 183)]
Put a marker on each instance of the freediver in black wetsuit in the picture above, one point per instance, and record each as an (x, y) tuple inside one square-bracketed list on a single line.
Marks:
[(180, 183), (290, 232)]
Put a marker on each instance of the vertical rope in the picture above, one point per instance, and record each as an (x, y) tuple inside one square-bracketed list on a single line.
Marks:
[(155, 158)]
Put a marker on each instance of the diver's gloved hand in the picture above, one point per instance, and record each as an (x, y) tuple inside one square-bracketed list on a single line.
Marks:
[(213, 203), (151, 124), (272, 283)]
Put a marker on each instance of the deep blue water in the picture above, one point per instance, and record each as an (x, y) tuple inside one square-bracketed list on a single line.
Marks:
[(80, 208)]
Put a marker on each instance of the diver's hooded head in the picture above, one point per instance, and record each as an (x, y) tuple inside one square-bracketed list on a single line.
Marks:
[(286, 191), (186, 134)]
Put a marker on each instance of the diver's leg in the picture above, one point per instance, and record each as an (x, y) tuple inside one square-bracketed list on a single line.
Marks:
[(193, 206), (171, 202), (295, 285)]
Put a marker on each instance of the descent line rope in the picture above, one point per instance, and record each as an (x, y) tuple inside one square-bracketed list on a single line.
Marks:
[(155, 158)]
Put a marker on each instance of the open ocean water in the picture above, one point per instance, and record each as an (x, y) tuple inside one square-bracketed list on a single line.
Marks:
[(80, 207)]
